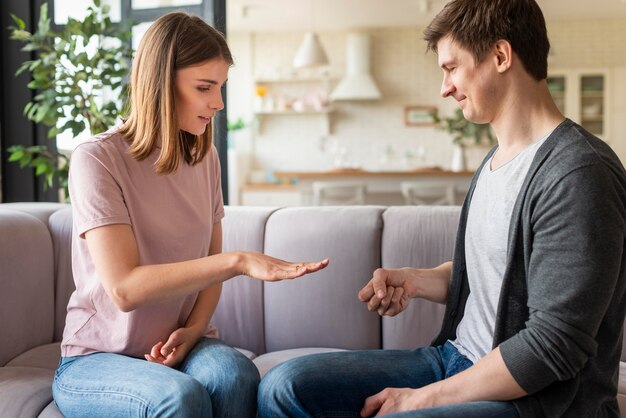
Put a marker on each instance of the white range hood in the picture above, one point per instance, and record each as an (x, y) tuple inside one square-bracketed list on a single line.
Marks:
[(357, 84)]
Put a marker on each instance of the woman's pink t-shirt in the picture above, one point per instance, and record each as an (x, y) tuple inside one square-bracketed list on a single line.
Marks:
[(172, 218)]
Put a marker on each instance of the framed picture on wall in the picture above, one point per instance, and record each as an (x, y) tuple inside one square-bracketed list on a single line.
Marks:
[(420, 115)]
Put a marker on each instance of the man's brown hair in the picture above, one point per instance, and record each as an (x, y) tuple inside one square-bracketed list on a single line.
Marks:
[(476, 25)]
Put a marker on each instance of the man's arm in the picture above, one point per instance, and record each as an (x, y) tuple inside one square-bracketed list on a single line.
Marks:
[(489, 379)]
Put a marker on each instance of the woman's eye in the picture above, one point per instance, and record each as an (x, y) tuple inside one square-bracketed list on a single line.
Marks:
[(203, 89)]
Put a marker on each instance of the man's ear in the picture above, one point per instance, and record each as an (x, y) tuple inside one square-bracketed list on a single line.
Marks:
[(503, 55)]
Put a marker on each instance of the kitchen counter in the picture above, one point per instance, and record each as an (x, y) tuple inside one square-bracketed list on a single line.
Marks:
[(286, 177), (381, 185)]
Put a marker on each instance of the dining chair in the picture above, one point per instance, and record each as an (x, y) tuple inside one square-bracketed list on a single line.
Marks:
[(338, 193), (424, 193)]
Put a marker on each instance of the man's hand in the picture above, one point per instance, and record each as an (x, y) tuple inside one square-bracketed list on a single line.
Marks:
[(388, 292), (175, 349), (393, 400)]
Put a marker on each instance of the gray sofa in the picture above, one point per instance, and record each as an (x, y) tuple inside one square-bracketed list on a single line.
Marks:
[(270, 322)]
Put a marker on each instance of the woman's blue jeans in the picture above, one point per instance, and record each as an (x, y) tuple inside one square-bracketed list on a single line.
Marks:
[(214, 380), (337, 384)]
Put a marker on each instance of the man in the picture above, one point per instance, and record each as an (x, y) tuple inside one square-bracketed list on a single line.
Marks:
[(535, 294)]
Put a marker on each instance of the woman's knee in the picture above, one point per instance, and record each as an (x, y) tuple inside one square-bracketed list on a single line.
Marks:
[(184, 397), (243, 372)]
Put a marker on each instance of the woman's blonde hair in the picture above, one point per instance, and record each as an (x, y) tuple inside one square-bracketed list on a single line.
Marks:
[(174, 41)]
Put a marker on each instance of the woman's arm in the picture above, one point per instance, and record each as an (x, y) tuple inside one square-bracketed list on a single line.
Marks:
[(129, 285), (182, 340), (207, 300)]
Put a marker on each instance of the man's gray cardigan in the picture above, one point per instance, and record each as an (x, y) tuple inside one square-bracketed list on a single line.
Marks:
[(562, 302)]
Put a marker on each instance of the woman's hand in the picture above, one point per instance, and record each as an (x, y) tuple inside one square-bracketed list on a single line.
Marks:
[(264, 267), (175, 349)]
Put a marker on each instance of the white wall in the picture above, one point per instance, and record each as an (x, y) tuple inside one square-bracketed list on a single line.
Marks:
[(406, 75)]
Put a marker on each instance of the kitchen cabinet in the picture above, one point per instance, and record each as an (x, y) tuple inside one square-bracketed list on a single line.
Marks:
[(284, 97), (583, 96)]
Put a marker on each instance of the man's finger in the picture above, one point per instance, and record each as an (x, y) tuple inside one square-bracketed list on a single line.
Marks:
[(384, 304), (372, 403), (380, 285), (373, 304), (366, 293), (397, 295)]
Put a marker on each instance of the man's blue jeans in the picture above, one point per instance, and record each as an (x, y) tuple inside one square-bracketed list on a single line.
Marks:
[(214, 380), (337, 384)]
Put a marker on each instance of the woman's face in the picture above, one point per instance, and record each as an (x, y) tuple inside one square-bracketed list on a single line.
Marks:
[(198, 94)]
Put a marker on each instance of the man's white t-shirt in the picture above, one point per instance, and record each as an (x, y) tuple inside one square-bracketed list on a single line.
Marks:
[(486, 239)]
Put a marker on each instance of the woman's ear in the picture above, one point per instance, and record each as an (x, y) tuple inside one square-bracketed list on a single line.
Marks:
[(503, 55)]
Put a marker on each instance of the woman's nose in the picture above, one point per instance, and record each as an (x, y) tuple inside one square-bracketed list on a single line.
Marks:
[(217, 102)]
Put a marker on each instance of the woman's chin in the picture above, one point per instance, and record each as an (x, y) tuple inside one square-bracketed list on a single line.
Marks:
[(196, 132)]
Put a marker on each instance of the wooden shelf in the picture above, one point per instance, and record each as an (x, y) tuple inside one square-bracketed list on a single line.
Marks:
[(292, 80), (294, 112), (324, 113)]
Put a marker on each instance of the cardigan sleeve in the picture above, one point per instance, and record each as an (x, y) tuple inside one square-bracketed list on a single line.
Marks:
[(577, 231)]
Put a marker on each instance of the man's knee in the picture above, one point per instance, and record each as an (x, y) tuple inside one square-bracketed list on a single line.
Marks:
[(280, 381)]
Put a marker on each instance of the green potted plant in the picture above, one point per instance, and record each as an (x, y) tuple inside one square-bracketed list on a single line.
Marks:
[(464, 134), (70, 81)]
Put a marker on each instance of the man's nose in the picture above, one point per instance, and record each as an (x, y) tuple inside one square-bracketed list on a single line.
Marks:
[(447, 87)]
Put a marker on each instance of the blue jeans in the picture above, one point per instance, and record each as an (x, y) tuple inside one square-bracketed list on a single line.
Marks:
[(214, 380), (337, 384)]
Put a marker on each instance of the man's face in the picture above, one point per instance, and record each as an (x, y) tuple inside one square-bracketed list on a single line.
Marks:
[(470, 83), (199, 95)]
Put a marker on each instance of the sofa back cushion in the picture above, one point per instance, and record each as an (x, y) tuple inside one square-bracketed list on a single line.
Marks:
[(26, 280), (239, 314), (60, 224), (420, 237), (322, 310)]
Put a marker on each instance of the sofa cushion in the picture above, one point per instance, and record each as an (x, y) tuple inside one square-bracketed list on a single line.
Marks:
[(265, 362), (239, 314), (24, 391), (45, 356), (51, 411), (417, 237), (40, 210), (322, 309), (27, 278)]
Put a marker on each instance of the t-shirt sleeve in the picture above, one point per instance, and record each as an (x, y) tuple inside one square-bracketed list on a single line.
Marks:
[(218, 200), (96, 196)]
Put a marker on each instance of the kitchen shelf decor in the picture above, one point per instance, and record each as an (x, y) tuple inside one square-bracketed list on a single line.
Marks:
[(291, 96)]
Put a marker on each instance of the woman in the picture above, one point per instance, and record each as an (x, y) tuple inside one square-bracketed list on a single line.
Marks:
[(147, 247)]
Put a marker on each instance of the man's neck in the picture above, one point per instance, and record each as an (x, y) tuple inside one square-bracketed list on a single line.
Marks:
[(527, 116)]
